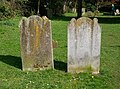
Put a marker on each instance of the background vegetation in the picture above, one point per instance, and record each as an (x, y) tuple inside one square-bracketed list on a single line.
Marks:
[(11, 8)]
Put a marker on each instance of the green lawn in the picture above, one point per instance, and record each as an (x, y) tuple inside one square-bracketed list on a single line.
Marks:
[(12, 77)]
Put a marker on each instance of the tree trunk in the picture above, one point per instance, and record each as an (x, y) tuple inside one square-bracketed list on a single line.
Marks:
[(79, 9)]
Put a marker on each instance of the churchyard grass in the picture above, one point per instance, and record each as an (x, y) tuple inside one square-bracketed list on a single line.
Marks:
[(12, 77)]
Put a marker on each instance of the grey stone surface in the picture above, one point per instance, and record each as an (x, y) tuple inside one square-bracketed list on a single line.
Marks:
[(84, 39), (36, 43)]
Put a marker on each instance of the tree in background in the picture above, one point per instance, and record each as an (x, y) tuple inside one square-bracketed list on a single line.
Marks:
[(9, 8), (91, 5), (79, 8), (6, 10), (40, 7)]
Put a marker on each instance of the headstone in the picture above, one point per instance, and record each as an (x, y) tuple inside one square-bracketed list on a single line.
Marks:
[(74, 10), (83, 11), (89, 14), (36, 43), (117, 12), (84, 39)]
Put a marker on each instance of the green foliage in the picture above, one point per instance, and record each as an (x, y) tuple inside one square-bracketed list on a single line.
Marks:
[(6, 10), (57, 6), (91, 5), (10, 8)]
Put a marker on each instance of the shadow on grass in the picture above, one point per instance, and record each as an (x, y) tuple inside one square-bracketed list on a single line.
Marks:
[(58, 65), (62, 18), (11, 60), (109, 20), (102, 19), (16, 62), (115, 46)]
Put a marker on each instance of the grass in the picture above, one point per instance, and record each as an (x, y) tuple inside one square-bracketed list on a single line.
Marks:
[(12, 77)]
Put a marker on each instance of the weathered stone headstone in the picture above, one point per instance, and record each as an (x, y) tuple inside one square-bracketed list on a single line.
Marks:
[(83, 11), (36, 43), (84, 39), (89, 14)]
